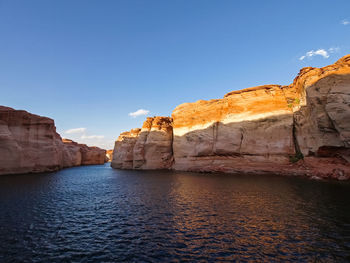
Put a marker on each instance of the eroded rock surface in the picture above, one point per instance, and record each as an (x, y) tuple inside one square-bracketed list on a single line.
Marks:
[(92, 155), (153, 148), (72, 155), (323, 120), (109, 155), (123, 153), (29, 143), (146, 148), (251, 126), (300, 129)]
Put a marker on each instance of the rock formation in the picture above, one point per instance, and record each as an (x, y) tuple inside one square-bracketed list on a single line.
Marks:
[(92, 155), (75, 154), (153, 148), (300, 129), (72, 155), (124, 149), (146, 148), (109, 155), (29, 143), (251, 126)]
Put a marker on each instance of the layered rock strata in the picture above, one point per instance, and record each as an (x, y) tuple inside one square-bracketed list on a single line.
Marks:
[(300, 129), (146, 148), (153, 148), (72, 155), (29, 144), (123, 153), (75, 154), (251, 126)]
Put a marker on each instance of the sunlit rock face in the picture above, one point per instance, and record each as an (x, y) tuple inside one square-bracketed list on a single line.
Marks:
[(246, 129), (153, 148), (109, 155), (123, 153), (30, 144), (300, 129)]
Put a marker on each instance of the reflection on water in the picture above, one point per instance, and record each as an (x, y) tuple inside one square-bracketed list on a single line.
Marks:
[(97, 214)]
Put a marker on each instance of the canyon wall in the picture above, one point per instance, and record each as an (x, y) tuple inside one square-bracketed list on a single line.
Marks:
[(29, 144), (109, 155), (146, 148), (300, 129), (252, 126), (75, 154)]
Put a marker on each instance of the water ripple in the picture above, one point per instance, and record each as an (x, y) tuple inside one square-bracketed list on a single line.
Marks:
[(97, 214)]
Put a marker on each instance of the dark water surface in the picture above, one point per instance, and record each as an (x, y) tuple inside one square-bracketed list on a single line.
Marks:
[(97, 214)]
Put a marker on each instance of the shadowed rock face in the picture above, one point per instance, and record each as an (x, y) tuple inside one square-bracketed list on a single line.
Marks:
[(263, 129), (153, 148), (76, 154), (124, 149), (325, 119), (29, 143), (146, 148), (72, 155), (250, 146), (92, 155)]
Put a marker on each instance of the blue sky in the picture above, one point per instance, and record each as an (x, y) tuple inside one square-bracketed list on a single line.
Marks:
[(89, 64)]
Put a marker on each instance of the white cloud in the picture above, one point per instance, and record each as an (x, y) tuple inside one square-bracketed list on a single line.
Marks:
[(92, 136), (76, 130), (334, 50), (138, 113), (345, 22), (310, 54), (81, 135)]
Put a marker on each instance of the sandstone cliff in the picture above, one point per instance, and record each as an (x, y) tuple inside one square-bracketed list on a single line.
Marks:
[(124, 149), (300, 129), (251, 126), (29, 143), (75, 154), (146, 148), (153, 148), (71, 154), (92, 155), (109, 155)]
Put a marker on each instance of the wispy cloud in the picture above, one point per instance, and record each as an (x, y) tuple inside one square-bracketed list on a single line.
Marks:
[(334, 49), (81, 135), (75, 130), (345, 22), (138, 113), (320, 52), (92, 136)]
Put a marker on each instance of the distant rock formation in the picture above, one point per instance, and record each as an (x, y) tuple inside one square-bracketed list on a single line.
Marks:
[(76, 154), (72, 155), (300, 129), (29, 144)]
